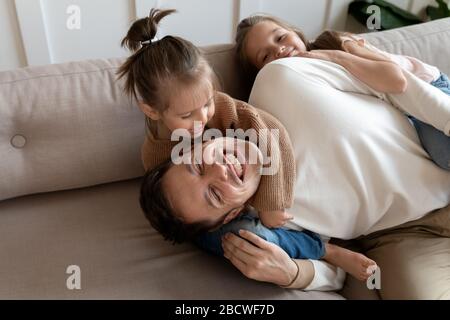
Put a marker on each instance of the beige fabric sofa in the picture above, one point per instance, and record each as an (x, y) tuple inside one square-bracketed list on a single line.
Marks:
[(69, 179)]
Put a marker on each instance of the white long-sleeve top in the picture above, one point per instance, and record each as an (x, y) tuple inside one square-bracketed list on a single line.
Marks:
[(360, 165)]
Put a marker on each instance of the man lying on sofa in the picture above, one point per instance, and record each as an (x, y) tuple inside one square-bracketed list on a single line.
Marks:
[(361, 172)]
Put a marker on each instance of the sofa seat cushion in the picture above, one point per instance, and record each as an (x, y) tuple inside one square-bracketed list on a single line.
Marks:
[(103, 231)]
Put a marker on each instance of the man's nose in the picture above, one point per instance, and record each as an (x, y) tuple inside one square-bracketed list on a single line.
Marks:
[(219, 171)]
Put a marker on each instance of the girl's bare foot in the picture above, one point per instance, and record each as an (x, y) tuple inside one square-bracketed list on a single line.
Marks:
[(357, 264)]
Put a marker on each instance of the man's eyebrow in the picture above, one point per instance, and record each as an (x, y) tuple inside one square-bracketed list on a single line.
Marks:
[(191, 169), (207, 197)]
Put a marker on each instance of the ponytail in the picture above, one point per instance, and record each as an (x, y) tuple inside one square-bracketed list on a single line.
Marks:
[(155, 66), (144, 30)]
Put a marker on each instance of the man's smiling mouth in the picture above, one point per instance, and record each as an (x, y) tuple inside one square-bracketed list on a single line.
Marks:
[(235, 167)]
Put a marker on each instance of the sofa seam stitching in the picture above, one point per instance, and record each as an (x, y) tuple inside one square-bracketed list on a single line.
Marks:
[(57, 75)]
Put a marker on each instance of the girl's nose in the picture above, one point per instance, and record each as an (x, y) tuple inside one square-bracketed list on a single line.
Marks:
[(203, 116), (280, 51)]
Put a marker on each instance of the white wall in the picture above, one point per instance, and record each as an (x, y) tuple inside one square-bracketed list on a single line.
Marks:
[(203, 22), (12, 54), (102, 24), (35, 32)]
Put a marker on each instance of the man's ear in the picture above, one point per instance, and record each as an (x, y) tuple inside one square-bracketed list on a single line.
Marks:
[(150, 112), (233, 214)]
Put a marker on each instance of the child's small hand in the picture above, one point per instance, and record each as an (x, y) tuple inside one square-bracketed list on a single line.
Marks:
[(327, 55), (352, 45), (275, 219)]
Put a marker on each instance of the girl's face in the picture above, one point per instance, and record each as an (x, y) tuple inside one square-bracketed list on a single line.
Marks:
[(190, 108), (267, 41)]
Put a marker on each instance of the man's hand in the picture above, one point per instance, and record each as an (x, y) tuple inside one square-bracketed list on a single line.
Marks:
[(260, 260), (275, 219)]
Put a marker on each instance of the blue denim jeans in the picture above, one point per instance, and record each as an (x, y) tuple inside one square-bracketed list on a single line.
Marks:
[(434, 141), (297, 244)]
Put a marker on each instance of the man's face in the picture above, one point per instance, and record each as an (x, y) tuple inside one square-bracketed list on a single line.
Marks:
[(215, 190)]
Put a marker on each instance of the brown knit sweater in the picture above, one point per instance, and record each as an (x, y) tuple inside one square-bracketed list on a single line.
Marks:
[(275, 192)]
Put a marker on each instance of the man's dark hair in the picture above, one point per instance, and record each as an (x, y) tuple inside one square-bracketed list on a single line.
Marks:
[(160, 213)]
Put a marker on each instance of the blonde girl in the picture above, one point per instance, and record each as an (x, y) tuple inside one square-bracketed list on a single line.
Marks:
[(262, 39)]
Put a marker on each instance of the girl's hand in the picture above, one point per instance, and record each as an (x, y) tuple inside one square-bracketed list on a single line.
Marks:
[(275, 219), (380, 75), (327, 55), (258, 259)]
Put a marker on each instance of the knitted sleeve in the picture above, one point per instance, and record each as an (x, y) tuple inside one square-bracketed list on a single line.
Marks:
[(154, 152), (276, 188)]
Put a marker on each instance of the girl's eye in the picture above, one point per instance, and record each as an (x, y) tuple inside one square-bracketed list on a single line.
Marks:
[(187, 116), (280, 38), (265, 57)]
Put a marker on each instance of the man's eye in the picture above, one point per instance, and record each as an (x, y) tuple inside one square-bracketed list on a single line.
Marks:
[(215, 195), (265, 57), (199, 168)]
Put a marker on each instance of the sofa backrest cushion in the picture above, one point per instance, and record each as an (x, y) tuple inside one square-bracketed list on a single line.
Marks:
[(223, 60), (429, 42), (66, 126), (70, 125)]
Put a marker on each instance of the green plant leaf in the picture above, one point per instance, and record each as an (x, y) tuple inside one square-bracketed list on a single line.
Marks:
[(391, 16), (442, 11)]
